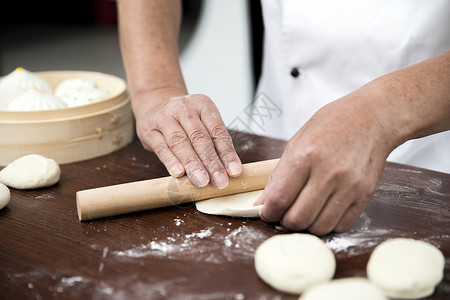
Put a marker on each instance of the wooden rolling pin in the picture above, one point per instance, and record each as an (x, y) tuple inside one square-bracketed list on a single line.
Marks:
[(142, 195)]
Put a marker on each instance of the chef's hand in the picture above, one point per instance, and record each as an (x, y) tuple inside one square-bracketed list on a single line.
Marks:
[(330, 168), (188, 135)]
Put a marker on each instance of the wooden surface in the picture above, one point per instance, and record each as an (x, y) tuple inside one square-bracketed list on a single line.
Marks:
[(179, 253)]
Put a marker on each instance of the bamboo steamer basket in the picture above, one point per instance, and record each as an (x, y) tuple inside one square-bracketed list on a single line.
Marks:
[(71, 134)]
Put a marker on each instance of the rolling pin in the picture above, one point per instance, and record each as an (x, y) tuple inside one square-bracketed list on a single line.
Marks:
[(166, 191)]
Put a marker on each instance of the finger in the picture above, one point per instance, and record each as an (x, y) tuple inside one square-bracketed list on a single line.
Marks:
[(220, 136), (181, 147), (350, 216), (331, 214), (282, 189), (204, 147), (308, 205), (159, 146)]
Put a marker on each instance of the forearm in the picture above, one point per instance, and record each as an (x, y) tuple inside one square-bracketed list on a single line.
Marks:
[(148, 33), (416, 99)]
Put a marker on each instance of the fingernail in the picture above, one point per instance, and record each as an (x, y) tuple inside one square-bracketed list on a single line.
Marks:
[(234, 168), (176, 171), (220, 180), (199, 178)]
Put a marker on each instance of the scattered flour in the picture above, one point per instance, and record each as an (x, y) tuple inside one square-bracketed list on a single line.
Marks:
[(167, 247), (239, 245), (71, 281), (178, 221), (358, 240)]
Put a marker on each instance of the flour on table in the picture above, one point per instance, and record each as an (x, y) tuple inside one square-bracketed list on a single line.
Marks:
[(205, 245), (169, 247), (238, 205), (356, 242), (30, 172)]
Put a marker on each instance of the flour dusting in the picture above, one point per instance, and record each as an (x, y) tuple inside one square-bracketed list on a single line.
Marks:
[(71, 281), (238, 245), (358, 240), (178, 221), (169, 247)]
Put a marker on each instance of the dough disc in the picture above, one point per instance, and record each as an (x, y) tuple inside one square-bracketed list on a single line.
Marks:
[(5, 196), (406, 268), (344, 289), (30, 172), (238, 205), (291, 263)]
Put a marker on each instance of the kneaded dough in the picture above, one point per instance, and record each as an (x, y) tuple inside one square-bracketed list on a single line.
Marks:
[(293, 262), (406, 268), (5, 195), (30, 172), (352, 288), (344, 289), (238, 205)]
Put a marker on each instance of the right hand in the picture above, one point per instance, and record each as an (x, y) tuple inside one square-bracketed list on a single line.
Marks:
[(188, 135)]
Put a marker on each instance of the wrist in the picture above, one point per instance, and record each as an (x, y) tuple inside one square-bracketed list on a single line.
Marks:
[(150, 99)]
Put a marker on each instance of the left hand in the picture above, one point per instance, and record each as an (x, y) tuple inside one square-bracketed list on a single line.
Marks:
[(330, 169)]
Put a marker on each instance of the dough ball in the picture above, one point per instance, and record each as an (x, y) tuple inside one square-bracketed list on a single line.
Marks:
[(30, 172), (293, 262), (238, 205), (5, 196), (406, 268), (344, 289)]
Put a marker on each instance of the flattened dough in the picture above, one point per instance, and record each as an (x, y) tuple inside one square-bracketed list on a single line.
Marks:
[(30, 172), (406, 268), (5, 196), (344, 289), (293, 262), (238, 205)]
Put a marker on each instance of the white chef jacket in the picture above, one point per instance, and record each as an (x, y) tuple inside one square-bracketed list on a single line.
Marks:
[(337, 46)]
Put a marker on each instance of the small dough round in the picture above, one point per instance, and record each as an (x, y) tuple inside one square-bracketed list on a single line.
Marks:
[(30, 172), (406, 268), (293, 262), (5, 195), (238, 205), (344, 289)]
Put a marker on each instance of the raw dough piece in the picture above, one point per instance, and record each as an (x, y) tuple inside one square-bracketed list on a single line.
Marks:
[(5, 196), (293, 262), (344, 289), (238, 205), (406, 268), (30, 172)]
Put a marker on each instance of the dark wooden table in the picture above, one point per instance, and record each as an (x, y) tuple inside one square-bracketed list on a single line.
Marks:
[(179, 253)]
